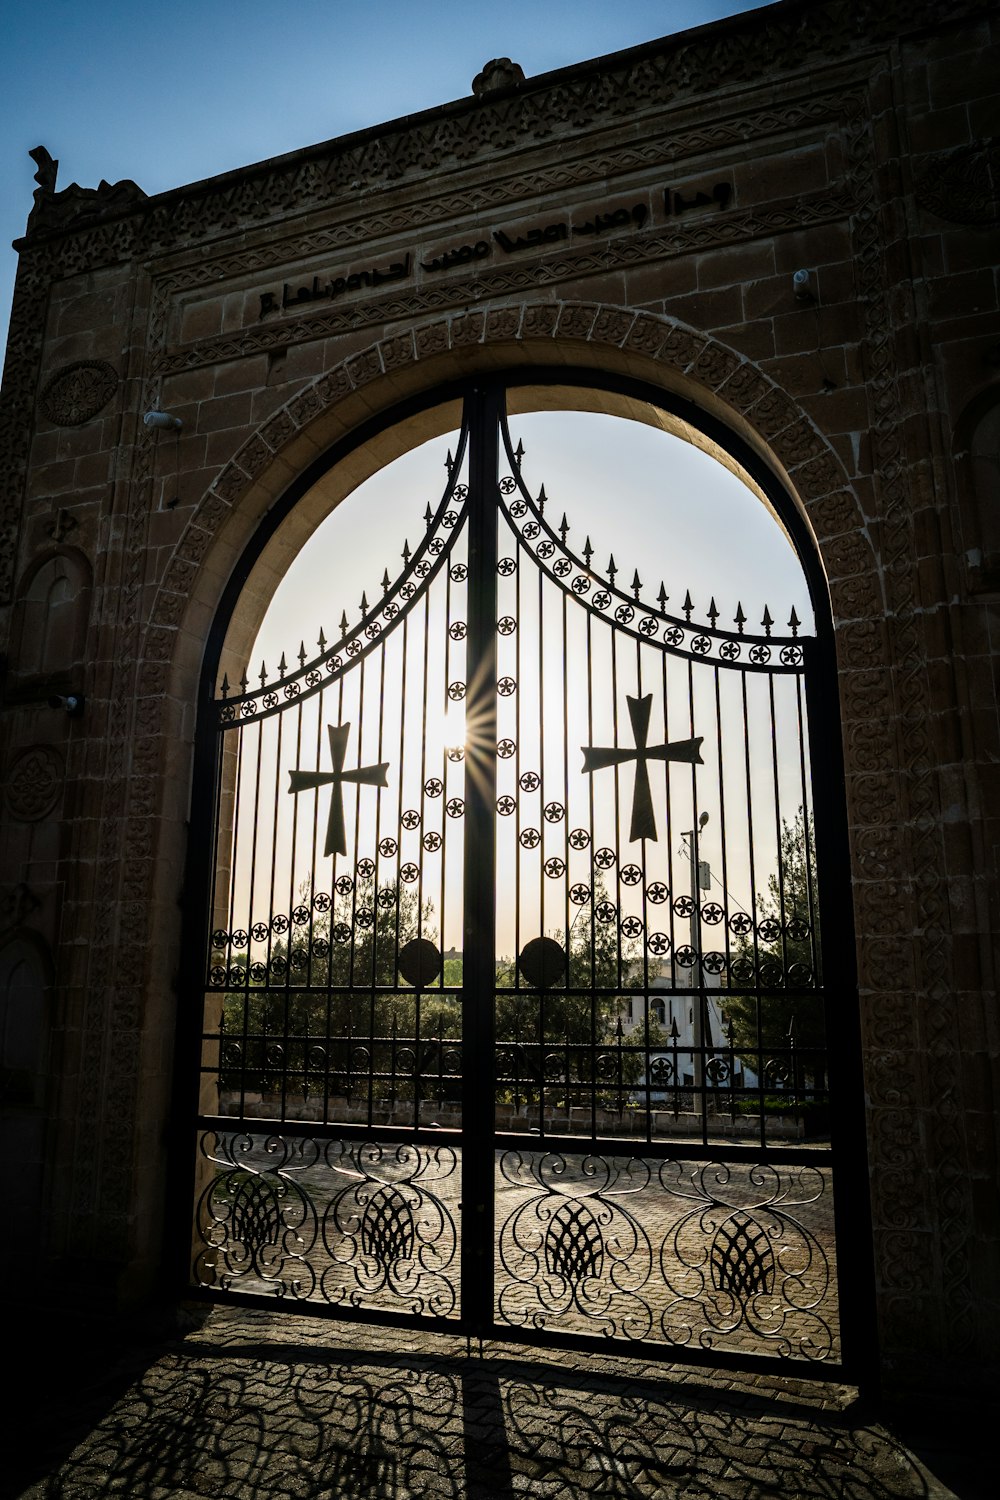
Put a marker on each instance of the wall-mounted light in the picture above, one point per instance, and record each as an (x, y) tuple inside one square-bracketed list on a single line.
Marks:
[(70, 703), (802, 286), (161, 421)]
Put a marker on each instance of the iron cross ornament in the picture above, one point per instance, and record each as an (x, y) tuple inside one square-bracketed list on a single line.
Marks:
[(597, 759), (302, 781)]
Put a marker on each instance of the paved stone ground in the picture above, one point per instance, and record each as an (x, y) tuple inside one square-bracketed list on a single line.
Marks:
[(267, 1406)]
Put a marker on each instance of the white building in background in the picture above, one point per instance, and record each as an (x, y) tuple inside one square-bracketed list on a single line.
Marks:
[(670, 1007)]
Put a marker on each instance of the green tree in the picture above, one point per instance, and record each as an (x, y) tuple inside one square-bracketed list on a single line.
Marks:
[(778, 1028), (571, 1032), (325, 987)]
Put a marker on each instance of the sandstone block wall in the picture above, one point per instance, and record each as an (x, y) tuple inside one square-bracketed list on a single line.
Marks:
[(852, 140)]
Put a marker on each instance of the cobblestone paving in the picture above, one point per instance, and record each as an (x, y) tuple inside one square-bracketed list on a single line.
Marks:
[(260, 1405)]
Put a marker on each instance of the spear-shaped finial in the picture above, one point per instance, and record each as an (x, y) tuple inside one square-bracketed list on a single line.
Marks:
[(344, 622), (364, 603), (405, 554), (588, 552), (612, 569), (563, 528), (244, 680), (302, 653), (386, 581), (321, 639), (428, 516), (688, 605), (636, 584), (542, 498), (263, 673), (713, 612), (449, 463), (282, 665), (519, 453), (766, 620), (794, 622), (225, 685), (739, 619)]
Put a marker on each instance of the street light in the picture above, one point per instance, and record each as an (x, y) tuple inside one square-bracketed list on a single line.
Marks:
[(698, 1009)]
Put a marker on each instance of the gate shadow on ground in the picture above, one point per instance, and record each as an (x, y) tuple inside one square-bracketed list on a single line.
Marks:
[(343, 1411)]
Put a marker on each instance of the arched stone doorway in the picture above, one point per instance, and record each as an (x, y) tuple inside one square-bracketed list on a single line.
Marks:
[(260, 1227)]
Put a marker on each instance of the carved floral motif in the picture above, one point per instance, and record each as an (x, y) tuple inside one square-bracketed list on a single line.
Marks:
[(34, 782), (77, 392), (963, 186)]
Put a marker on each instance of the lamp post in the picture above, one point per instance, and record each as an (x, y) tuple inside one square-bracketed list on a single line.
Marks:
[(698, 1008)]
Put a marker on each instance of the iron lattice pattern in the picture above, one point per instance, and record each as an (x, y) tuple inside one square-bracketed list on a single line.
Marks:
[(727, 1256), (653, 986), (345, 1223)]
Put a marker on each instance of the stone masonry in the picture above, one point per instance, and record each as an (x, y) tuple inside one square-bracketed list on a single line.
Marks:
[(275, 309)]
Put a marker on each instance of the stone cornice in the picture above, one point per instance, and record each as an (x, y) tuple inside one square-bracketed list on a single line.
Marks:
[(785, 38)]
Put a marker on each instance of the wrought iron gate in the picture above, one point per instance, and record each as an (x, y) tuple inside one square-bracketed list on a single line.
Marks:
[(501, 1036)]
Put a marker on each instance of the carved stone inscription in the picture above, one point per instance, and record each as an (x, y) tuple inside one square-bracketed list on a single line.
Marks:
[(510, 241)]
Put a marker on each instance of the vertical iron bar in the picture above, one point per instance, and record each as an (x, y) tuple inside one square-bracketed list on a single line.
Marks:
[(753, 914), (853, 1231), (568, 980), (479, 914), (592, 921), (418, 990), (544, 1008)]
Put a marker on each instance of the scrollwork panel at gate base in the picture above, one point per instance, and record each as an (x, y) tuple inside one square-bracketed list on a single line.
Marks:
[(734, 1256), (352, 1224)]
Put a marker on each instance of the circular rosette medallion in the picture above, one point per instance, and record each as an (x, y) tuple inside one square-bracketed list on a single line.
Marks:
[(543, 963), (77, 392), (419, 962)]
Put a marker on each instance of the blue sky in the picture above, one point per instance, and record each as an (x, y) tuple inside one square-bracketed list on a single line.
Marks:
[(172, 93)]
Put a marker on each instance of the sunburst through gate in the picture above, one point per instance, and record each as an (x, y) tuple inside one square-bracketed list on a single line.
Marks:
[(514, 1017)]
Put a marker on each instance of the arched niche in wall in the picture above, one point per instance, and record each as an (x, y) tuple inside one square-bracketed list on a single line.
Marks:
[(977, 464), (50, 627)]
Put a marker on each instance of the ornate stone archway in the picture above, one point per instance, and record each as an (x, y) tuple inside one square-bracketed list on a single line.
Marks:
[(730, 177), (883, 838)]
